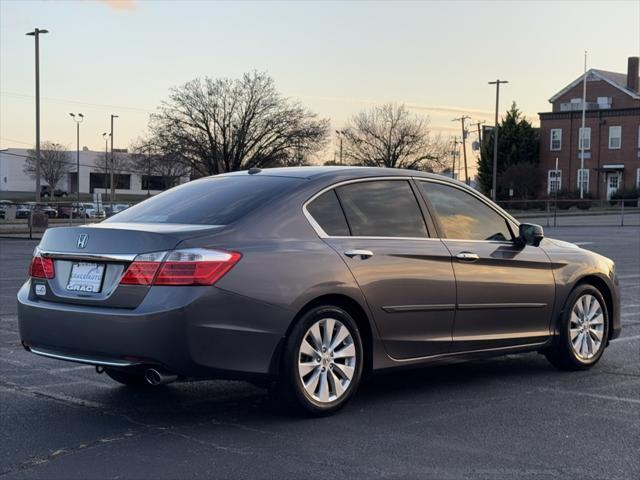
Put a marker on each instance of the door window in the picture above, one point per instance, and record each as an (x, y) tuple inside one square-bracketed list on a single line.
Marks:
[(464, 217), (382, 208), (327, 213)]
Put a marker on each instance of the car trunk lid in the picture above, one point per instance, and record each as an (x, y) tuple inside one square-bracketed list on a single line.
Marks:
[(89, 261)]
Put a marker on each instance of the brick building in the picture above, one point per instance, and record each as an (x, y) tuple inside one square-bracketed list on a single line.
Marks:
[(611, 137)]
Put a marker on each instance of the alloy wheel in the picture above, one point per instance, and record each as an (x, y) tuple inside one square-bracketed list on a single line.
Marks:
[(326, 360), (586, 327)]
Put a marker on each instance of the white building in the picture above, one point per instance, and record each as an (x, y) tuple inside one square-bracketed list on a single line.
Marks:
[(92, 178)]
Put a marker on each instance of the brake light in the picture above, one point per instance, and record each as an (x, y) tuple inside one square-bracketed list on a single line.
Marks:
[(41, 267), (196, 266)]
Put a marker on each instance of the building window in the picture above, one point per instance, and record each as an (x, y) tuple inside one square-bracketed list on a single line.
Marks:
[(637, 177), (556, 139), (615, 138), (604, 102), (583, 179), (554, 181), (586, 138)]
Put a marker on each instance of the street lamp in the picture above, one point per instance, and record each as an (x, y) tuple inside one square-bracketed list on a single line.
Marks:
[(36, 34), (113, 190), (78, 120), (106, 137)]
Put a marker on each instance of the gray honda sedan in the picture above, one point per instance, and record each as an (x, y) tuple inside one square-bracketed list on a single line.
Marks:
[(309, 278)]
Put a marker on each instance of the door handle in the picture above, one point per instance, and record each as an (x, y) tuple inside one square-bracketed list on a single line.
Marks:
[(363, 254), (467, 257)]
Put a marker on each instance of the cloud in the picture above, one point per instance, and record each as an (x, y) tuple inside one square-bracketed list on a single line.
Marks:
[(121, 5)]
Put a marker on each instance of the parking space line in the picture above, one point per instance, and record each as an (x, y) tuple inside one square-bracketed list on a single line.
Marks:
[(633, 337), (596, 395)]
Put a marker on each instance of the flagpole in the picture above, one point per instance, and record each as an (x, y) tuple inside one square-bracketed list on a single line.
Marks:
[(582, 130)]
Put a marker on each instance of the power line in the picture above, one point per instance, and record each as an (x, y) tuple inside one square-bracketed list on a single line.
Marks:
[(75, 102)]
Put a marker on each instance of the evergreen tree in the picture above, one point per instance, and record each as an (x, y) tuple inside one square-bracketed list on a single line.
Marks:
[(517, 143)]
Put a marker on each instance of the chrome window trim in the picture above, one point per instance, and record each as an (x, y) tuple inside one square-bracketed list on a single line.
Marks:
[(322, 234), (105, 257)]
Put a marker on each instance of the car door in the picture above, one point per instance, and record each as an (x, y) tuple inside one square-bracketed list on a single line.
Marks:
[(378, 228), (505, 292)]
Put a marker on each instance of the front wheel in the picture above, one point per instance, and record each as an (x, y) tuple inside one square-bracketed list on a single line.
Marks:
[(583, 330), (322, 361)]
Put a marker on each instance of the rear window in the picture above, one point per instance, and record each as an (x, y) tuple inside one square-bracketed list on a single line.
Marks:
[(208, 201), (327, 212)]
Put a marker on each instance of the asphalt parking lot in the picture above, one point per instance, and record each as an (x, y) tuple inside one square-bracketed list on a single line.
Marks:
[(503, 418)]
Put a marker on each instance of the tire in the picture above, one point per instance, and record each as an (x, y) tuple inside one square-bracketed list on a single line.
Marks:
[(130, 379), (314, 379), (576, 346)]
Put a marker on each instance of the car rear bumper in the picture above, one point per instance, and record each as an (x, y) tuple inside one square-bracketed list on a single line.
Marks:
[(189, 331)]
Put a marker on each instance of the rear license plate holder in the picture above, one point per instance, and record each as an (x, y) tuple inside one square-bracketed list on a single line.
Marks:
[(85, 277)]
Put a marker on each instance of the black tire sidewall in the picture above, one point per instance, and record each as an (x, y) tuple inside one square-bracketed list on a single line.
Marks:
[(564, 334), (290, 380)]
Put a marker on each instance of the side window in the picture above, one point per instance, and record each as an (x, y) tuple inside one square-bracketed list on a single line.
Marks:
[(382, 208), (464, 217), (326, 211)]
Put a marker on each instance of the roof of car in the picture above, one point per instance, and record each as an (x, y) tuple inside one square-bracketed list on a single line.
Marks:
[(337, 172)]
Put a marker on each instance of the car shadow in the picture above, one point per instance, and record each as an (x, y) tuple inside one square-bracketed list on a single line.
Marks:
[(191, 403)]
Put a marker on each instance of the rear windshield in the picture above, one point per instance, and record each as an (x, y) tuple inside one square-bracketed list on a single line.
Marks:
[(208, 201)]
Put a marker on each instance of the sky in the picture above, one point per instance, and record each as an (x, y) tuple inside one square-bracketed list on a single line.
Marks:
[(336, 58)]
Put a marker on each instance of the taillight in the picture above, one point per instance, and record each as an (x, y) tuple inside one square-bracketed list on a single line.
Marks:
[(195, 266), (41, 267)]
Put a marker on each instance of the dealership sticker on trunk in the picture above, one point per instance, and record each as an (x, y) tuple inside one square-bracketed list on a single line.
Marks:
[(85, 277), (41, 289)]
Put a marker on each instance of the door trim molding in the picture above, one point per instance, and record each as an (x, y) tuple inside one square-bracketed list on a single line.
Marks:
[(483, 306), (418, 308)]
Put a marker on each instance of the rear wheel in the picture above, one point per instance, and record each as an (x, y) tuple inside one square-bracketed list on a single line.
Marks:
[(322, 361), (129, 378), (583, 330)]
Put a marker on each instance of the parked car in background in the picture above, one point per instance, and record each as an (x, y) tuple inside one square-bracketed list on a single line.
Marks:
[(117, 208), (26, 209), (93, 211), (74, 210), (309, 277), (45, 192)]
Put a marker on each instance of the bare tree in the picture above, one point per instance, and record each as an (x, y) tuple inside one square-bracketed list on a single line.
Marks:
[(149, 159), (222, 125), (390, 136), (55, 163)]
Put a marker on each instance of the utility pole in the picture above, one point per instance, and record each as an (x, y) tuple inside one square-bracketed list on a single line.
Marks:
[(340, 134), (113, 189), (78, 120), (464, 145), (582, 130), (494, 183), (36, 34), (454, 153)]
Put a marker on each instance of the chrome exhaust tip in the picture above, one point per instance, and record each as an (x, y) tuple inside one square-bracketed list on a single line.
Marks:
[(156, 377)]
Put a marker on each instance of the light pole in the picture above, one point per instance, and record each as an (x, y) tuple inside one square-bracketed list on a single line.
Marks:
[(36, 34), (113, 190), (78, 120), (106, 136), (494, 182)]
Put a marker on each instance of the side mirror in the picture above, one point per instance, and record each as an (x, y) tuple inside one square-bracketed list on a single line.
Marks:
[(530, 234)]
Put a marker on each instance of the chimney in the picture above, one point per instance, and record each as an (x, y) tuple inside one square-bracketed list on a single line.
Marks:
[(632, 73)]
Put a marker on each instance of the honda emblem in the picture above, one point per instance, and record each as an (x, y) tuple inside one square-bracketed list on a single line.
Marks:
[(82, 240)]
